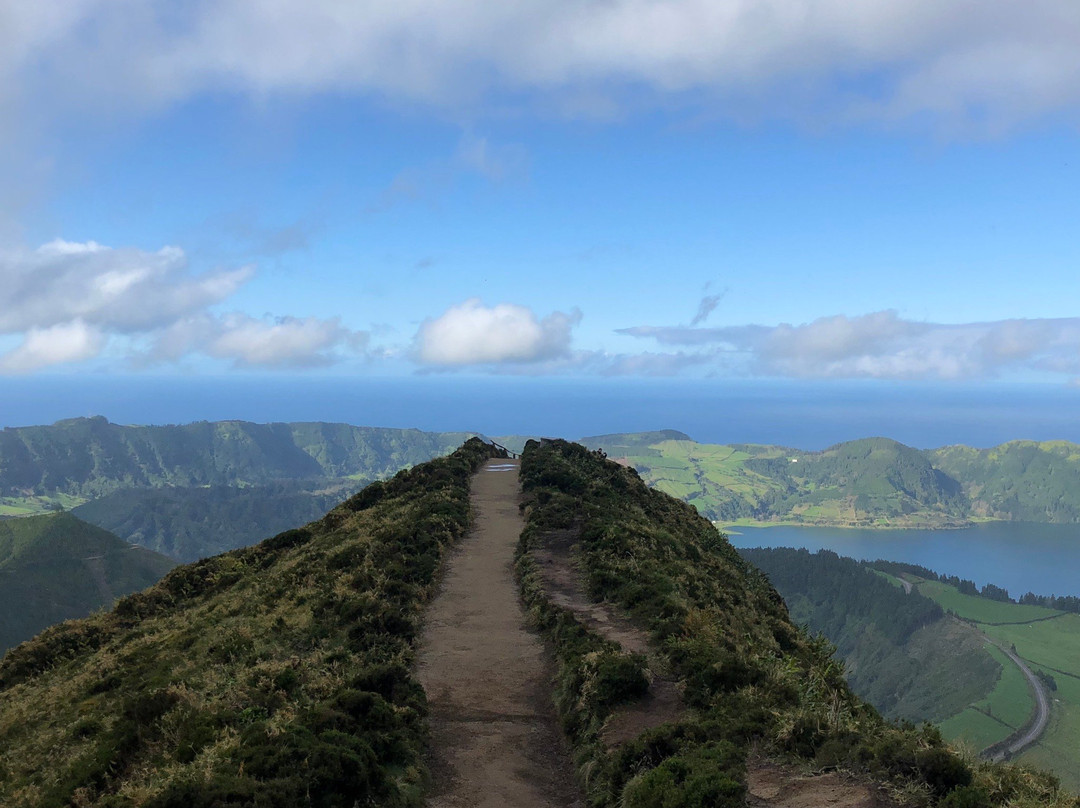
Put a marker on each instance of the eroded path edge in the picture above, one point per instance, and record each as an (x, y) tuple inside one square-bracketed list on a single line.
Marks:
[(495, 739)]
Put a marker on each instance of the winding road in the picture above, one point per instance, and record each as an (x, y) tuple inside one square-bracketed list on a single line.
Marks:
[(1036, 725), (1042, 716)]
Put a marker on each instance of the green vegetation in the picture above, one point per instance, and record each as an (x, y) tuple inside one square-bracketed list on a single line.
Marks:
[(57, 567), (278, 675), (980, 609), (192, 523), (90, 457), (1049, 642), (898, 652), (1010, 701), (750, 678), (873, 482), (1021, 480), (194, 490)]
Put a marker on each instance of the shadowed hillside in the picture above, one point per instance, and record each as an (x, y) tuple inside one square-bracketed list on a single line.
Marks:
[(198, 489), (57, 567)]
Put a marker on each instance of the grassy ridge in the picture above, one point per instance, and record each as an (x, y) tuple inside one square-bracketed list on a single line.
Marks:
[(750, 677), (192, 523), (198, 489), (1027, 481), (90, 457), (279, 675)]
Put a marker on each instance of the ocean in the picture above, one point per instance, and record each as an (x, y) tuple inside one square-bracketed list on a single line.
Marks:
[(798, 414)]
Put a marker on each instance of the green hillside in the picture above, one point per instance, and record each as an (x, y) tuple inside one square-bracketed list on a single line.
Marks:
[(274, 676), (192, 523), (899, 652), (873, 482), (868, 482), (90, 457), (753, 684), (282, 675), (1021, 480), (57, 567), (195, 490), (1049, 642), (911, 660)]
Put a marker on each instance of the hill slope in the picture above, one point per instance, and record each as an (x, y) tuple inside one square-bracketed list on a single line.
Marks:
[(862, 483), (57, 567), (89, 457), (1020, 480), (282, 675), (749, 679), (194, 490), (273, 676), (192, 523), (899, 652)]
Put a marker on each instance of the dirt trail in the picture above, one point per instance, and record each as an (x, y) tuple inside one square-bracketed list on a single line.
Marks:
[(773, 786), (495, 740), (566, 588)]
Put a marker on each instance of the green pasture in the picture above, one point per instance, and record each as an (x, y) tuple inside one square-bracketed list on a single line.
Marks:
[(1051, 643), (981, 610), (1058, 749), (1010, 701), (973, 729)]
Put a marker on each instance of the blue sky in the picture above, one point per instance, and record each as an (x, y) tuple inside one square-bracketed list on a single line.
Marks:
[(704, 189)]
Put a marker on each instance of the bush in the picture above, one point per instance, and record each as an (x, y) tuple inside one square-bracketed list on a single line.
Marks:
[(707, 777), (616, 678)]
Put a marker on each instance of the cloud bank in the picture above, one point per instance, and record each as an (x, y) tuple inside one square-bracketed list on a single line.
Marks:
[(69, 301), (993, 64), (882, 345), (474, 334)]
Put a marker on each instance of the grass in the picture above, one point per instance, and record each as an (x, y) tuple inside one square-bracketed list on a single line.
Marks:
[(31, 505), (979, 609), (1010, 701), (1057, 751), (1051, 645), (973, 729), (278, 675), (892, 579), (750, 678)]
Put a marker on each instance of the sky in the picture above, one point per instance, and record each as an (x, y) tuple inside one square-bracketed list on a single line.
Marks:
[(812, 190)]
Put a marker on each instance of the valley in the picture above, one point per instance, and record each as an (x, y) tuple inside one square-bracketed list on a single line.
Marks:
[(918, 646)]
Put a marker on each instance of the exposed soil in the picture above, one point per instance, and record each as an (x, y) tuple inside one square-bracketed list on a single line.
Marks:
[(565, 587), (95, 565), (495, 740), (776, 786)]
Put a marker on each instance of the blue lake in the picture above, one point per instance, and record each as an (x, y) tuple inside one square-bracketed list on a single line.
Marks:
[(1020, 556)]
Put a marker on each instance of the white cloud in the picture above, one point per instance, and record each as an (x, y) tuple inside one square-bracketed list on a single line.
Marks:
[(68, 301), (474, 334), (55, 345), (995, 63), (249, 342), (882, 345), (122, 290)]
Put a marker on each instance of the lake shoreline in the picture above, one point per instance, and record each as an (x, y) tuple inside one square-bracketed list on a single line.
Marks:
[(1018, 556)]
